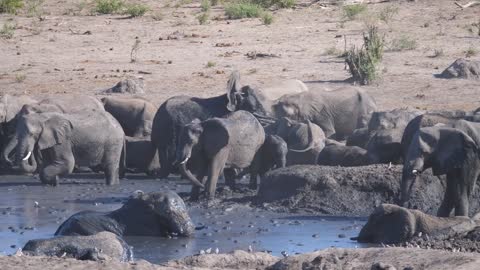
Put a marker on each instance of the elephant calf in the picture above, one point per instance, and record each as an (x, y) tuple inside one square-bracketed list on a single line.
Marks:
[(142, 155), (153, 214), (101, 246), (336, 154), (391, 224)]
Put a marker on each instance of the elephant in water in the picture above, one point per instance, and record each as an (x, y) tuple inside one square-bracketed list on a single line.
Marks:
[(337, 112), (452, 149), (89, 139), (135, 115), (178, 111), (218, 143), (153, 214), (392, 224), (97, 247)]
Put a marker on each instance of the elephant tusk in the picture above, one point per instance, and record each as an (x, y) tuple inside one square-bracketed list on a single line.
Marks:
[(27, 156), (415, 172), (185, 160)]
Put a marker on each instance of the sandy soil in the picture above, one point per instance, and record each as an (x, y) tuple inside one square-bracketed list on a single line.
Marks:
[(53, 55)]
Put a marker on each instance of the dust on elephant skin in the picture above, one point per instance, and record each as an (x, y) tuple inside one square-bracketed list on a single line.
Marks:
[(352, 191)]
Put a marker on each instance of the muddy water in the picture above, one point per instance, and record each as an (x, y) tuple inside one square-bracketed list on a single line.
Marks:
[(29, 210)]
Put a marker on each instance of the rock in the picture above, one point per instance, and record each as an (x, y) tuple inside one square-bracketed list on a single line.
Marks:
[(239, 259), (382, 266), (462, 68), (128, 86), (101, 246)]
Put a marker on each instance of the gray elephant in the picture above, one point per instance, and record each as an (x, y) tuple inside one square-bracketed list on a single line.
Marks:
[(153, 214), (142, 155), (89, 139), (59, 103), (305, 140), (98, 247), (337, 112), (385, 146), (135, 115), (392, 224), (218, 143), (359, 137), (452, 150), (336, 154)]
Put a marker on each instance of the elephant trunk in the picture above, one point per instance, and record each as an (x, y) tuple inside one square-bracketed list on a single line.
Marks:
[(180, 222), (186, 173), (26, 158), (12, 143), (409, 176), (311, 140)]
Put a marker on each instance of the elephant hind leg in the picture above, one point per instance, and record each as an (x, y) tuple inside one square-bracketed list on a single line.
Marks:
[(112, 176), (229, 174)]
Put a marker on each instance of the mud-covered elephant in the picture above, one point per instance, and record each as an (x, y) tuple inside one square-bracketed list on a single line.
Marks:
[(142, 155), (99, 247), (154, 214), (337, 112), (305, 140), (336, 154), (218, 143), (135, 115), (72, 103), (452, 149), (89, 139), (392, 224)]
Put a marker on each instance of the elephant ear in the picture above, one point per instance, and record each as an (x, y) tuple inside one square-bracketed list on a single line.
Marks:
[(453, 151), (233, 91), (56, 130), (215, 135)]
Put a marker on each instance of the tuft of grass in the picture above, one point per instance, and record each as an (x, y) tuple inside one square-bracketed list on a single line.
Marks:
[(240, 10), (205, 5), (108, 6), (135, 10), (211, 64), (34, 8), (158, 16), (351, 12), (437, 53), (7, 31), (403, 43), (267, 18), (203, 18), (276, 3), (333, 51), (387, 13), (134, 51), (19, 78), (10, 6), (471, 52), (363, 62)]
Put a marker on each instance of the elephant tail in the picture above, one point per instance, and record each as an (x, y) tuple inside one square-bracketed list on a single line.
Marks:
[(123, 160)]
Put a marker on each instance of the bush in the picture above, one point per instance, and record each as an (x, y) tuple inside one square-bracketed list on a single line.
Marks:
[(205, 5), (10, 6), (241, 10), (277, 3), (387, 13), (404, 43), (267, 18), (108, 6), (203, 18), (363, 62), (352, 11), (210, 64), (135, 10), (7, 31)]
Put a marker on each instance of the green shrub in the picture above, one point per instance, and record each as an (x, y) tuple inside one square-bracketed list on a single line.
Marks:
[(108, 6), (363, 62), (267, 18), (7, 31), (203, 18), (277, 3), (135, 10), (241, 10), (205, 5), (404, 43), (351, 12), (211, 64), (10, 6)]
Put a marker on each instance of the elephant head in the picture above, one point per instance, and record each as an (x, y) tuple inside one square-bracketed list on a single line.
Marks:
[(290, 131), (388, 224), (245, 97), (160, 212), (205, 138), (40, 131), (440, 148)]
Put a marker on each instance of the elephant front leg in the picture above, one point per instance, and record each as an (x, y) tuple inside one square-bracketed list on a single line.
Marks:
[(216, 166), (448, 199), (229, 174), (57, 163)]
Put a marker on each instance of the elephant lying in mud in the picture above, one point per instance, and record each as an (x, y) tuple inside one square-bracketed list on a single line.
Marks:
[(218, 143), (335, 154), (392, 224), (135, 115), (305, 140), (337, 112), (154, 214), (97, 247), (89, 139)]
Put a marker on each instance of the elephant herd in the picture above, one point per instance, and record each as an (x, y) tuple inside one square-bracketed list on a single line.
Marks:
[(247, 130)]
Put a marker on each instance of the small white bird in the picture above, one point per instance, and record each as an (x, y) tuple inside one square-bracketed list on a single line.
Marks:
[(250, 249), (36, 204), (202, 252), (217, 250), (208, 251), (284, 253)]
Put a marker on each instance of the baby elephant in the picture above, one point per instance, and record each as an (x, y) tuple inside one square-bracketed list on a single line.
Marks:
[(142, 156), (391, 224), (336, 154)]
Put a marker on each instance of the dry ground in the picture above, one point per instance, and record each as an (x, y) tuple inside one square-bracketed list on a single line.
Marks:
[(53, 55)]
